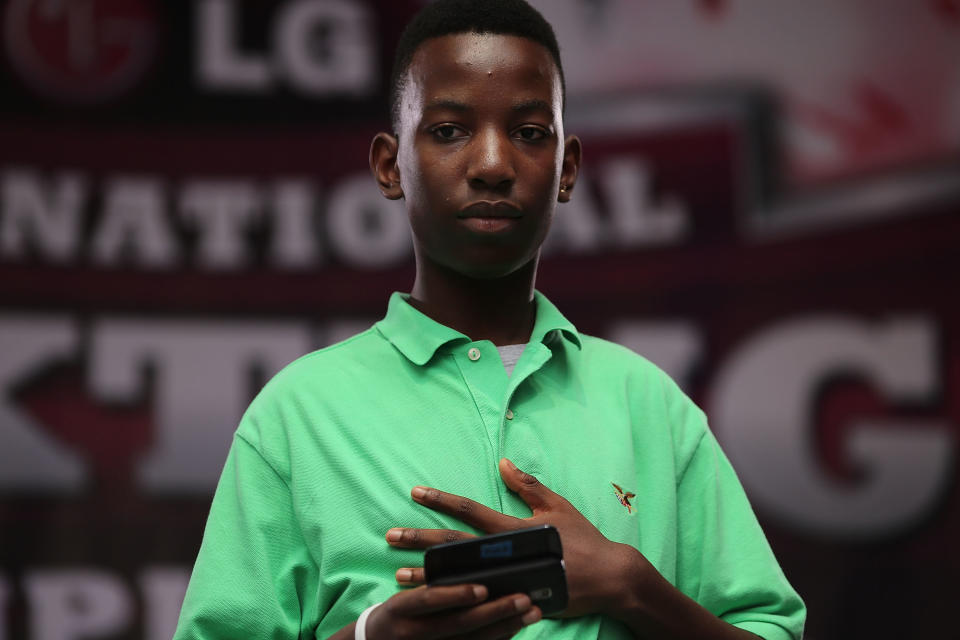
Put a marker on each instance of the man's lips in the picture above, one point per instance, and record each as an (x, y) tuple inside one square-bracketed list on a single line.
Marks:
[(490, 209)]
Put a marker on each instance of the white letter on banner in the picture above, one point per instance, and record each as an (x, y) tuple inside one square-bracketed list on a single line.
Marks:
[(75, 604), (293, 241), (30, 459), (134, 225), (223, 212), (45, 216), (637, 219), (366, 229), (326, 46), (220, 66), (762, 411), (163, 590), (202, 375)]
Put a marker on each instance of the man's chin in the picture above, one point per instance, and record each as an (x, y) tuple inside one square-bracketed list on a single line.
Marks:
[(498, 270), (491, 270)]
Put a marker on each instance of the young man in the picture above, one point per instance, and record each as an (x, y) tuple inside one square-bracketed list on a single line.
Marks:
[(327, 497)]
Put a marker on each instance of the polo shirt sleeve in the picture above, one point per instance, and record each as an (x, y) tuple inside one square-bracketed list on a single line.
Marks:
[(724, 560), (253, 570)]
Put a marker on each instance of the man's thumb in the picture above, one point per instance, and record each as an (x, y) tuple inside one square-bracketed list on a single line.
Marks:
[(531, 490)]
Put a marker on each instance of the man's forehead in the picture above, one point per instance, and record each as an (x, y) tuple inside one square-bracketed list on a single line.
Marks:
[(494, 48), (455, 56), (446, 69)]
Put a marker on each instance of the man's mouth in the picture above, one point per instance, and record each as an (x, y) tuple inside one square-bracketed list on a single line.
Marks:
[(490, 209)]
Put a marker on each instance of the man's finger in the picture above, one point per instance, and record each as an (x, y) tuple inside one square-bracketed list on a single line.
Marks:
[(411, 576), (500, 618), (537, 496), (490, 620), (424, 600), (404, 538), (505, 628), (464, 510)]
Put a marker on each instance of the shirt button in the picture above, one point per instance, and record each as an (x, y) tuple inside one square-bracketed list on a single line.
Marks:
[(474, 354), (509, 414)]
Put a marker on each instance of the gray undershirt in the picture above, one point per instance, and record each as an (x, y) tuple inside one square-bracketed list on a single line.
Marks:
[(510, 353)]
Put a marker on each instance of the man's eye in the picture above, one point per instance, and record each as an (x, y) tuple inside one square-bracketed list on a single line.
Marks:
[(531, 134), (448, 131)]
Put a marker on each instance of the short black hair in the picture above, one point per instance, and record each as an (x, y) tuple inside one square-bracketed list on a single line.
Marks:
[(447, 17)]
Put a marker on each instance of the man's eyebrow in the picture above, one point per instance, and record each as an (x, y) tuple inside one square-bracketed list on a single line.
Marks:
[(446, 105), (532, 105)]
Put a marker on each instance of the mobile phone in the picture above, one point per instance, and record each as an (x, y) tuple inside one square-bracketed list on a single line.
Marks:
[(523, 561)]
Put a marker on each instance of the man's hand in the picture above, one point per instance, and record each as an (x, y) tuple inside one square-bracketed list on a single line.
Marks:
[(599, 571), (458, 611)]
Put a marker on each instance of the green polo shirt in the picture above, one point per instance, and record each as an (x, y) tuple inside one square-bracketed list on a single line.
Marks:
[(324, 459)]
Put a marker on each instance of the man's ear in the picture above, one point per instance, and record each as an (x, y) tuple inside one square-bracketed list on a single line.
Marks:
[(383, 165), (571, 167)]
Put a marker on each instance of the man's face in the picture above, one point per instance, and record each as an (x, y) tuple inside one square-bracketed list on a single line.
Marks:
[(480, 151)]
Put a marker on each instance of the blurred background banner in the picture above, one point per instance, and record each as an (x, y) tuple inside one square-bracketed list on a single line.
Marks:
[(770, 211)]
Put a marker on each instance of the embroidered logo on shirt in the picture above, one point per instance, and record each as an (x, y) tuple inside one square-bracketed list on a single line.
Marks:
[(624, 496)]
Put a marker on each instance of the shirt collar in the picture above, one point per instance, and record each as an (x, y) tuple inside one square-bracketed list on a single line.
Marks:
[(417, 336), (550, 323)]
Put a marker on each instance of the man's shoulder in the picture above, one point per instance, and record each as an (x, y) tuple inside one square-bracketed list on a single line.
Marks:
[(327, 360), (331, 376), (612, 355), (365, 350), (327, 370), (613, 366)]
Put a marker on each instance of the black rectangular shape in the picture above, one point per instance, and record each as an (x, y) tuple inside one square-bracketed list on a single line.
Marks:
[(524, 561)]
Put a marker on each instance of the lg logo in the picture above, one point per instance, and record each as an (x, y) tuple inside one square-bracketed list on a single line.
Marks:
[(80, 51)]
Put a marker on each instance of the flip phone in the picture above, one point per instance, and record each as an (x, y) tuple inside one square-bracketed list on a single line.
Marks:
[(524, 561)]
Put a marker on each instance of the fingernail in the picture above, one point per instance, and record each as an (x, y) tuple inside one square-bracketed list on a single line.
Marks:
[(530, 616), (404, 575), (418, 492), (479, 592), (522, 604), (394, 535), (510, 464)]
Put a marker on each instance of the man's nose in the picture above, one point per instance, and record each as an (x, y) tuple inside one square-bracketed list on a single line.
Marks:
[(491, 163)]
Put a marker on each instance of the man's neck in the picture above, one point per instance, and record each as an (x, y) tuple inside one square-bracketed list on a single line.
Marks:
[(501, 310)]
